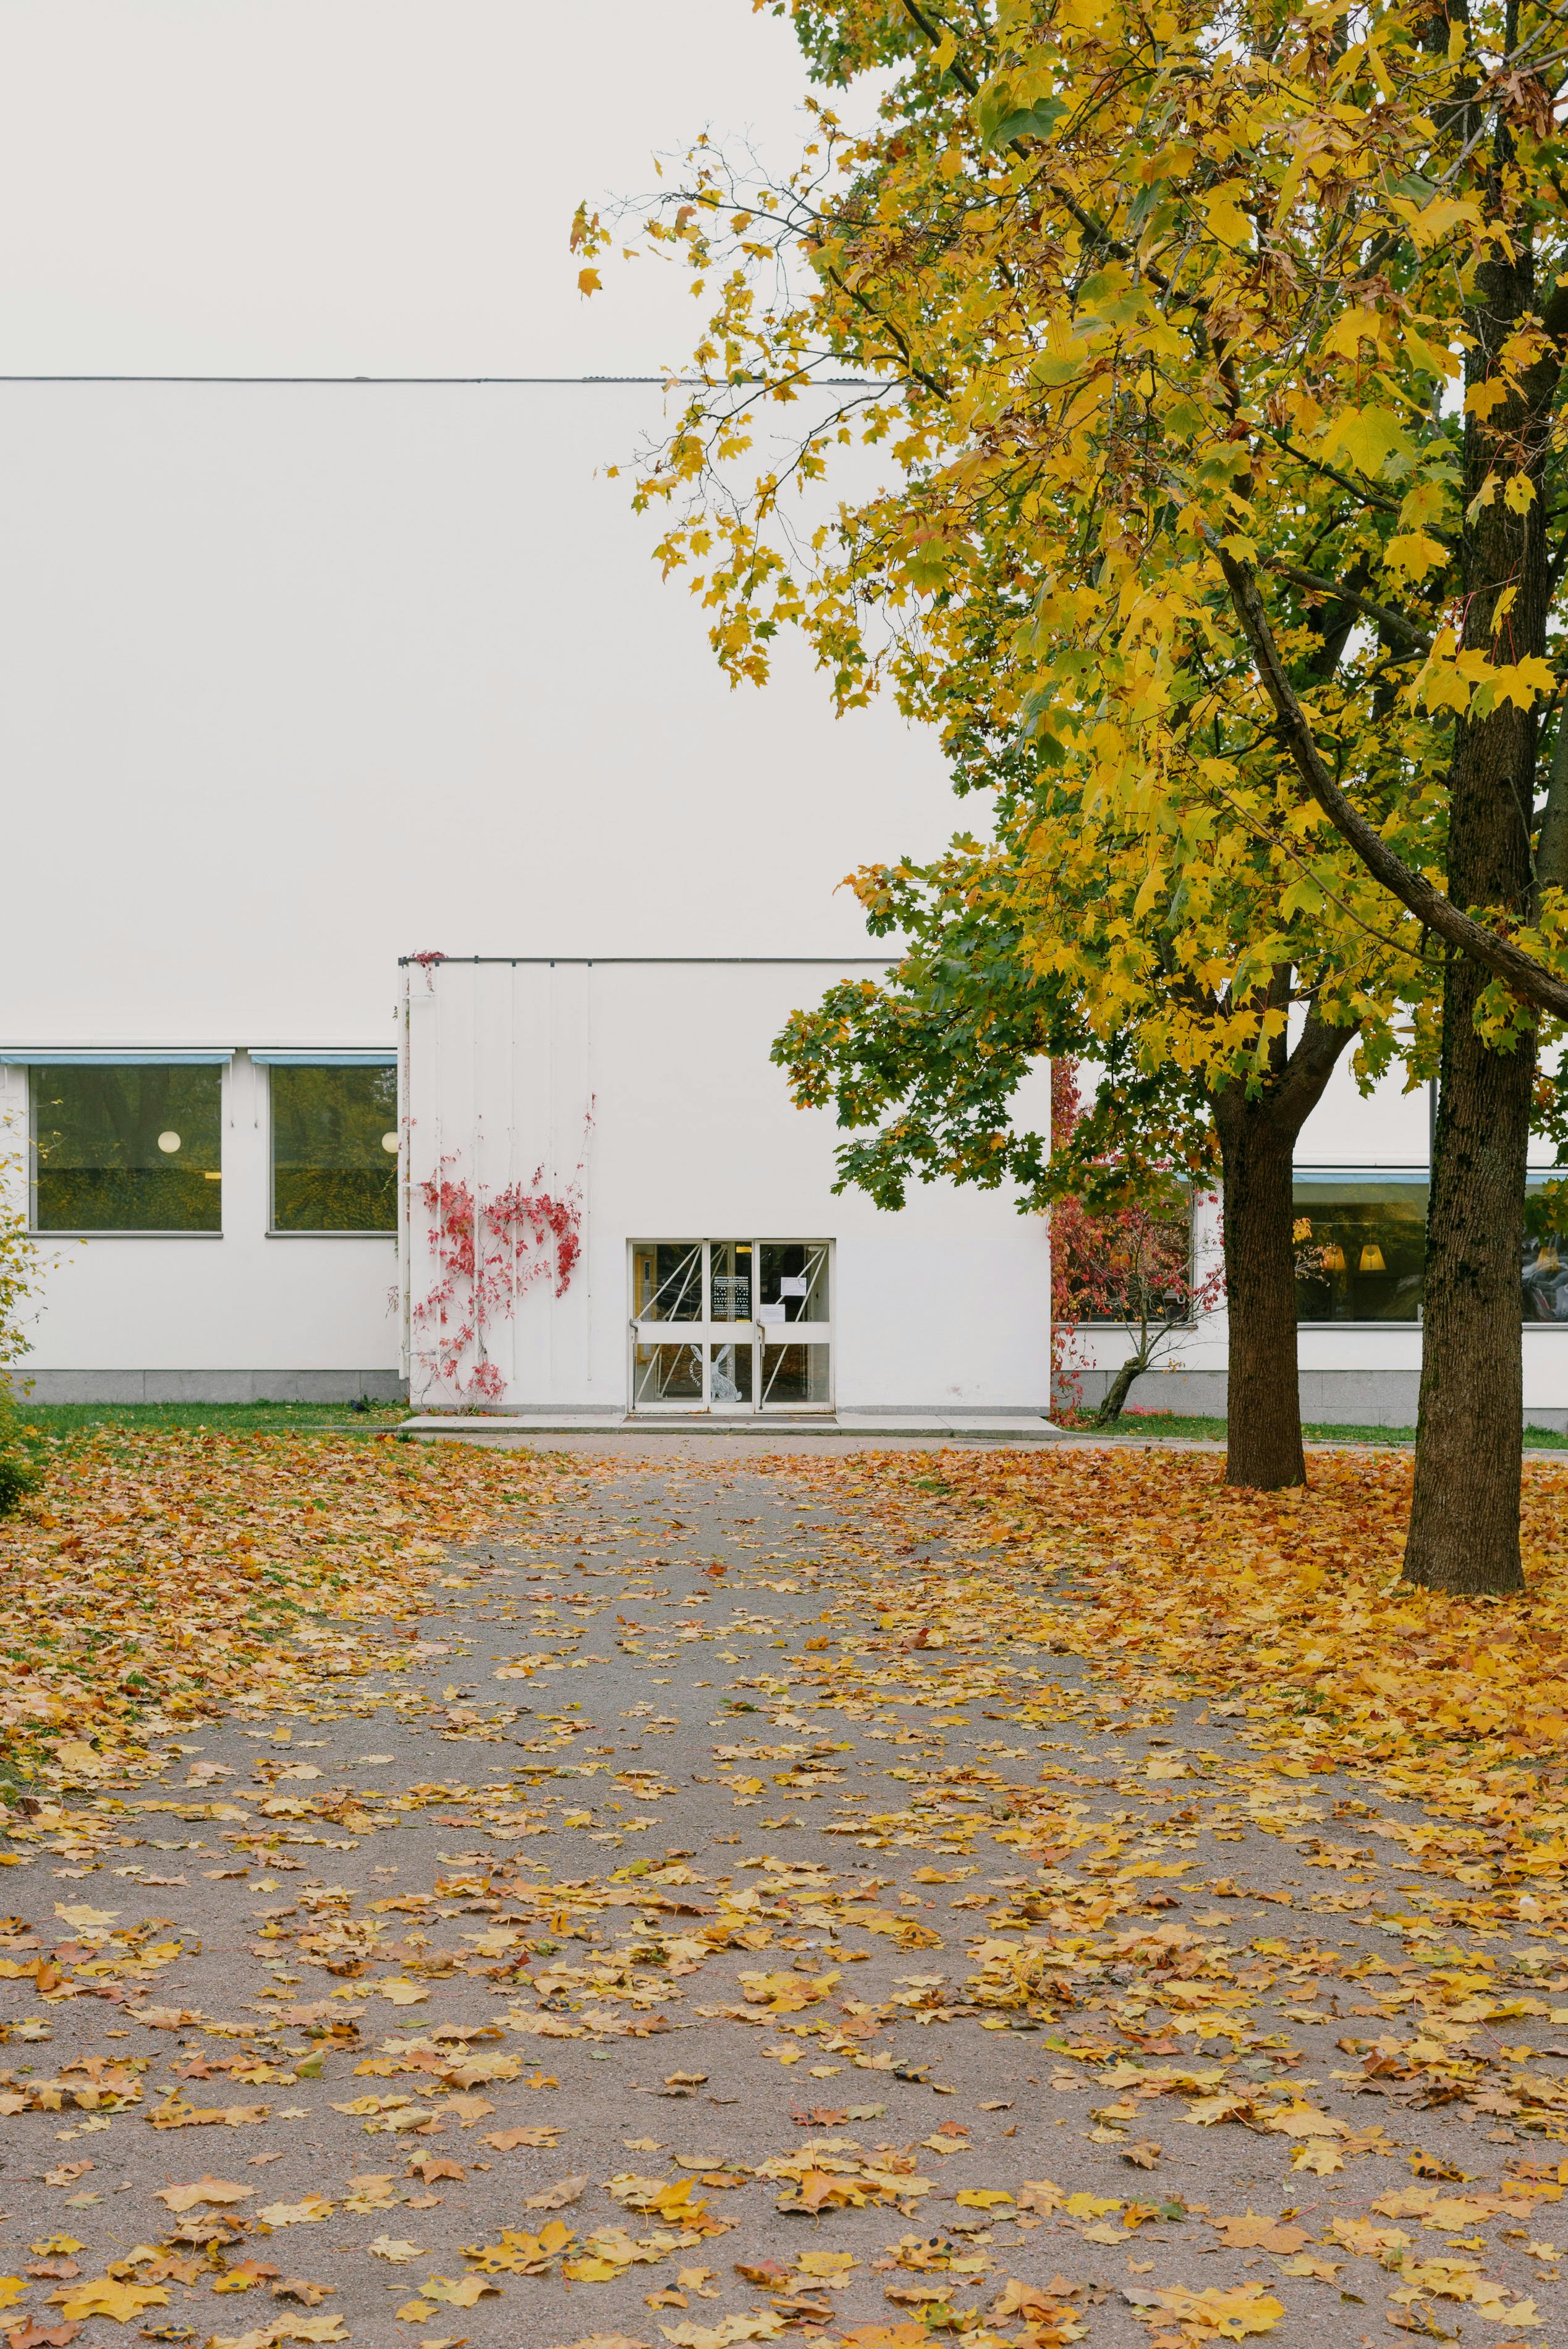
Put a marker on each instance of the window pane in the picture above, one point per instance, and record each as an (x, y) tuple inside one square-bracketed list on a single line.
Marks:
[(1545, 1278), (667, 1281), (729, 1375), (1360, 1251), (334, 1150), (794, 1281), (794, 1375), (666, 1374), (127, 1150), (729, 1277)]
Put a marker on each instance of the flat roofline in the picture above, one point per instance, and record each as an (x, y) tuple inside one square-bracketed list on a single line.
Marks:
[(828, 962), (669, 382)]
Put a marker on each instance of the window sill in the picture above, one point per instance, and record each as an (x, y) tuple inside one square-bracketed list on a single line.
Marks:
[(390, 1236), (52, 1233)]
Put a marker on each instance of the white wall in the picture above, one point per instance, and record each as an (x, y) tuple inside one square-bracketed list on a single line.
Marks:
[(217, 1315), (301, 678), (693, 1135)]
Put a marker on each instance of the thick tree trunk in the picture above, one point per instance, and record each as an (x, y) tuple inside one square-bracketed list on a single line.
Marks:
[(1264, 1446), (1464, 1517), (1257, 1150)]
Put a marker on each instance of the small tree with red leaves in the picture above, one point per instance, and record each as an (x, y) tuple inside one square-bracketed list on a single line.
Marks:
[(1129, 1264)]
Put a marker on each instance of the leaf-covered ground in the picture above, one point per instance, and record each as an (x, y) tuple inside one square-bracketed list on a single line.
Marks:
[(459, 1896)]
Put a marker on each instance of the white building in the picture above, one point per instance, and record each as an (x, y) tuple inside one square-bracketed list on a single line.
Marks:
[(303, 678)]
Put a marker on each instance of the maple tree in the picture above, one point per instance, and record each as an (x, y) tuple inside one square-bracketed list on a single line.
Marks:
[(1213, 359), (924, 1068)]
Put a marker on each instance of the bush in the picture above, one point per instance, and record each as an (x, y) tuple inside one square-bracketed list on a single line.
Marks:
[(18, 1477)]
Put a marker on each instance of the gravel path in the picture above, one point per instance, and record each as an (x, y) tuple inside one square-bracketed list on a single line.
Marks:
[(543, 1928)]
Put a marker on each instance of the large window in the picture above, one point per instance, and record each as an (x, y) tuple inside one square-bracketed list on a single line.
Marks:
[(1360, 1248), (753, 1326), (128, 1149), (1361, 1245), (334, 1149)]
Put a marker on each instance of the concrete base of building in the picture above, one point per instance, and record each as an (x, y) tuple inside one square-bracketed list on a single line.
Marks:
[(208, 1386), (1328, 1398)]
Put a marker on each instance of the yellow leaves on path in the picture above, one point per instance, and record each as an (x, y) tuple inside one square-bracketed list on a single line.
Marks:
[(175, 2114), (517, 2252), (459, 2292), (103, 2296), (155, 1575), (1291, 1599), (1217, 2313), (284, 2328), (216, 2191), (315, 2208), (1250, 2233)]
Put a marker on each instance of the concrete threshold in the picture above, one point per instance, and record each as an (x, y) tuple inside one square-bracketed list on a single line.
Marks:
[(528, 1428)]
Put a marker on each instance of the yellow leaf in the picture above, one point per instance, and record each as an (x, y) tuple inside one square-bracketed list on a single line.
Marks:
[(588, 281), (461, 2292), (118, 2301), (399, 1992)]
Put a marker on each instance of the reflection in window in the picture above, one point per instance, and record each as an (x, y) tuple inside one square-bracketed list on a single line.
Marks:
[(127, 1149), (666, 1281), (729, 1279), (334, 1150), (666, 1374), (1360, 1249), (794, 1282), (1545, 1278), (794, 1375)]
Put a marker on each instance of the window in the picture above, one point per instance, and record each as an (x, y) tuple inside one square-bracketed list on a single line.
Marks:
[(334, 1149), (1361, 1249), (128, 1149), (735, 1355), (1545, 1277), (1361, 1245)]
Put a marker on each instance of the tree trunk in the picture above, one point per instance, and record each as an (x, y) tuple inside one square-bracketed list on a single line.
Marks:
[(1464, 1515), (1264, 1446), (1118, 1392), (1257, 1150)]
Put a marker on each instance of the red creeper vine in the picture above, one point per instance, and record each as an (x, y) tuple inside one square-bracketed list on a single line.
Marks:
[(491, 1250)]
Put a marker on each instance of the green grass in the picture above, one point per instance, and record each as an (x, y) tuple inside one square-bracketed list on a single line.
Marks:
[(64, 1420), (1152, 1426), (67, 1419)]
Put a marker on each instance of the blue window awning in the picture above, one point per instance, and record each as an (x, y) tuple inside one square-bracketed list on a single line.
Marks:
[(67, 1056), (324, 1060)]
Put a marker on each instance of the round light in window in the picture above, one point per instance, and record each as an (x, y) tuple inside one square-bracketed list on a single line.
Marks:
[(169, 1143), (389, 1142)]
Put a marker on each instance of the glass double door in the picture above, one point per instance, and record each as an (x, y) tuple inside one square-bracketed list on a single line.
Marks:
[(731, 1326)]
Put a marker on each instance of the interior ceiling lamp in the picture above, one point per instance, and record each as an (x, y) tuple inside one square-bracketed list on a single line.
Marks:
[(1372, 1258), (1333, 1257), (1547, 1258), (169, 1143)]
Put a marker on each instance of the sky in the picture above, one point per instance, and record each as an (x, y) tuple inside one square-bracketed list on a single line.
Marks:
[(353, 187)]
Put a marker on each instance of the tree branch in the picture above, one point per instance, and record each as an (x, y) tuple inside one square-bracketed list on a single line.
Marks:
[(1382, 612), (1527, 979)]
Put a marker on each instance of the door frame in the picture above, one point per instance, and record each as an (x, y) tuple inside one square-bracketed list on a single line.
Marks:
[(707, 1333)]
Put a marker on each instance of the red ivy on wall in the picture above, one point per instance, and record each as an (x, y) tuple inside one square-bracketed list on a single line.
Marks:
[(491, 1249)]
